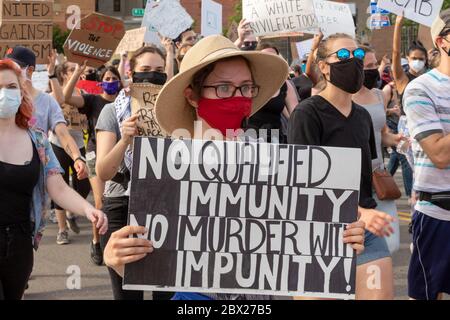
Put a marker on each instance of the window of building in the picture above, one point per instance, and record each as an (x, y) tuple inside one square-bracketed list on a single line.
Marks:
[(117, 5)]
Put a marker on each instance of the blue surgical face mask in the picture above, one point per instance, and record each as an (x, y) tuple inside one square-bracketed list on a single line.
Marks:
[(10, 100)]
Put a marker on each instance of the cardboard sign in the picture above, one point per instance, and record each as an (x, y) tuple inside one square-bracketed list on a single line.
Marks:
[(420, 11), (382, 42), (151, 34), (279, 16), (143, 99), (424, 36), (266, 220), (211, 18), (75, 120), (132, 41), (334, 17), (27, 23), (169, 18), (95, 41)]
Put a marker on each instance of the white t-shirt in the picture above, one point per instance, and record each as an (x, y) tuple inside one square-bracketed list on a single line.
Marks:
[(427, 106)]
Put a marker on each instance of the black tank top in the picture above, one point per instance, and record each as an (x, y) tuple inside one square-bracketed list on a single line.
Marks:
[(269, 116), (17, 183)]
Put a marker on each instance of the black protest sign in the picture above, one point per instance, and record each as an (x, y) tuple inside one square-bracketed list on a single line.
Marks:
[(29, 24), (244, 217)]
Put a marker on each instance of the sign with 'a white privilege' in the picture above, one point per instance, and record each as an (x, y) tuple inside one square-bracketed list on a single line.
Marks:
[(273, 17), (420, 11), (244, 217), (143, 99), (27, 23)]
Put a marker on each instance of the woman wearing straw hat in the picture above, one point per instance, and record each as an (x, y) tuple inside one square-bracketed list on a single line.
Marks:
[(220, 87)]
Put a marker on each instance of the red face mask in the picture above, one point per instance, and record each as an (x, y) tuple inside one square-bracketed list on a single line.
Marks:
[(223, 114)]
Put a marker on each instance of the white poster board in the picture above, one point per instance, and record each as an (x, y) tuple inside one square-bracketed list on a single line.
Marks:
[(211, 18), (40, 79), (334, 17), (169, 18), (275, 17), (304, 47), (272, 17), (151, 34), (420, 11)]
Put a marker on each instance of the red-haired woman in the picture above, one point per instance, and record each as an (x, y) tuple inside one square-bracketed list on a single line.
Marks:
[(29, 172)]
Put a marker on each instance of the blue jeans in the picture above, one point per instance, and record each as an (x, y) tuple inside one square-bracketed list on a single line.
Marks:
[(394, 160), (407, 173)]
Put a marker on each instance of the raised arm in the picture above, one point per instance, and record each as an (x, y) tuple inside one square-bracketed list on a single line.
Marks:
[(310, 63), (401, 80), (57, 92), (69, 97), (170, 56)]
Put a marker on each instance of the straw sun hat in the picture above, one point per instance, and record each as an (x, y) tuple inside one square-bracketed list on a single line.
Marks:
[(173, 111)]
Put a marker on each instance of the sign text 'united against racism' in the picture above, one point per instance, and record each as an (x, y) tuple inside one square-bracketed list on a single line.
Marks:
[(244, 217)]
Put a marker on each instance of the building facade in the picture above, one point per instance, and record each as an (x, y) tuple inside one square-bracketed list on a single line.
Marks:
[(60, 10), (123, 8)]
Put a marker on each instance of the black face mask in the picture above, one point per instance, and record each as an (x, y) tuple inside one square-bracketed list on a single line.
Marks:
[(347, 75), (371, 78), (153, 77), (91, 76)]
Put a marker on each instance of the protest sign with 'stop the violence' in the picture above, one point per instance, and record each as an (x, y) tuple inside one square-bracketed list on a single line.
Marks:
[(244, 217), (420, 11), (169, 18), (95, 41), (143, 98), (27, 23)]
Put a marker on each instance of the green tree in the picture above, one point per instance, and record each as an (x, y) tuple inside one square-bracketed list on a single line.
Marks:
[(59, 38), (236, 17)]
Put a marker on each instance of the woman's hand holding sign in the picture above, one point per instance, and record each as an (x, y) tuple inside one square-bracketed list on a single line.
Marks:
[(121, 249), (129, 129), (354, 235)]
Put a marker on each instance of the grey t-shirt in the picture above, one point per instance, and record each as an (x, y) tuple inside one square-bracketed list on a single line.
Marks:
[(107, 121), (47, 112)]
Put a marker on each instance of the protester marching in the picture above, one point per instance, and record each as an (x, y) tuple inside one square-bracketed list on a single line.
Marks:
[(251, 158)]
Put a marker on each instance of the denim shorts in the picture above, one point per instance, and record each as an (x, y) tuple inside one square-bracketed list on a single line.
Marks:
[(375, 248)]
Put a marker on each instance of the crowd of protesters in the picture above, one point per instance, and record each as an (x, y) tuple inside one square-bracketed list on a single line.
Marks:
[(338, 96)]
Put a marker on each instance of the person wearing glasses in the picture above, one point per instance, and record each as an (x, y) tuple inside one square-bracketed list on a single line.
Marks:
[(332, 119), (219, 86)]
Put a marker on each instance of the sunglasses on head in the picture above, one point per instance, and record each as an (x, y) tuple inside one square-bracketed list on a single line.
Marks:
[(344, 54)]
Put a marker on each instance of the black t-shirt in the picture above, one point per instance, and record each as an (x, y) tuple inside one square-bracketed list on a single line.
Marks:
[(303, 85), (317, 122), (17, 183), (93, 105)]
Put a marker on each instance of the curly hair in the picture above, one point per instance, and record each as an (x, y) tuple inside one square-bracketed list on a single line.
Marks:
[(25, 111)]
